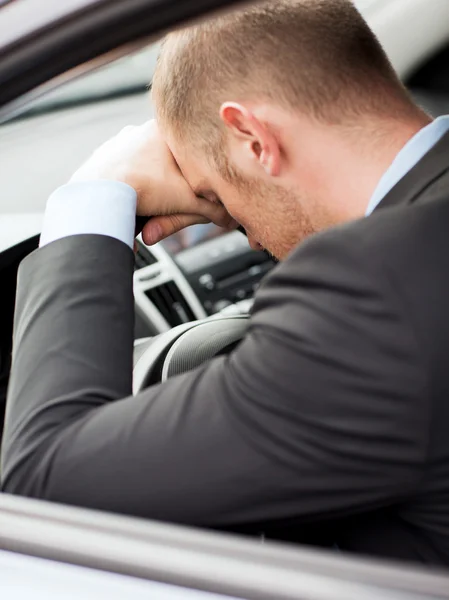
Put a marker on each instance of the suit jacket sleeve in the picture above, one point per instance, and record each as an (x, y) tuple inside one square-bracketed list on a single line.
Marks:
[(317, 414)]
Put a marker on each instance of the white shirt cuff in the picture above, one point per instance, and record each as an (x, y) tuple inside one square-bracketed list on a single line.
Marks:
[(97, 207)]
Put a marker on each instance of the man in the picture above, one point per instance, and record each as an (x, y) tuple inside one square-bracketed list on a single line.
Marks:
[(328, 424)]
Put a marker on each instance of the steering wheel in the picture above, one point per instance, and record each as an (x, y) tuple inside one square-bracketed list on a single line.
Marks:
[(185, 347)]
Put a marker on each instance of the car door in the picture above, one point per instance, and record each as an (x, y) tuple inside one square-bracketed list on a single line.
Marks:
[(50, 551)]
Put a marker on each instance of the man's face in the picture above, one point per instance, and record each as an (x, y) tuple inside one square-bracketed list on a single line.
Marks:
[(270, 212)]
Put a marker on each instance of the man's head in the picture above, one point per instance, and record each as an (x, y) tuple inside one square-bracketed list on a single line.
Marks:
[(271, 108)]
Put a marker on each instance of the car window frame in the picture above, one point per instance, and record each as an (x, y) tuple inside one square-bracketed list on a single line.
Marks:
[(208, 561)]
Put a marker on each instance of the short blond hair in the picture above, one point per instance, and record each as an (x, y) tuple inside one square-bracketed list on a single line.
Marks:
[(316, 56)]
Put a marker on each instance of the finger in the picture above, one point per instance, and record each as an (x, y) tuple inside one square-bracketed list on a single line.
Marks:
[(216, 213), (181, 200), (159, 228)]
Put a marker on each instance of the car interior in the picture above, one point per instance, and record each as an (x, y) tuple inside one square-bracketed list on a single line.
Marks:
[(193, 295)]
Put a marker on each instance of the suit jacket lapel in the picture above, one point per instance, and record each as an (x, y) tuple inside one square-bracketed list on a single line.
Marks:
[(429, 169)]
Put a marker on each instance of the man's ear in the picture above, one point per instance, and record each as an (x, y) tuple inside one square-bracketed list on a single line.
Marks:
[(260, 141)]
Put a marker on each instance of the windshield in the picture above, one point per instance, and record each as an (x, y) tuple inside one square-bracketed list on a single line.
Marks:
[(128, 75)]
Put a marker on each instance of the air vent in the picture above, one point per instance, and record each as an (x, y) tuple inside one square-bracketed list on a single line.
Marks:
[(171, 303), (143, 257)]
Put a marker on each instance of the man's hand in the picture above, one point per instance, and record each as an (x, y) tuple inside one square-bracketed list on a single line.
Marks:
[(140, 157)]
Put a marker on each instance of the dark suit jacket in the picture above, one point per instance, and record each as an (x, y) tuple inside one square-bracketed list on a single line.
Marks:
[(330, 422)]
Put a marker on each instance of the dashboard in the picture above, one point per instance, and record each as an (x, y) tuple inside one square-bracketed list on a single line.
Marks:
[(199, 272)]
